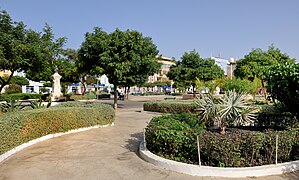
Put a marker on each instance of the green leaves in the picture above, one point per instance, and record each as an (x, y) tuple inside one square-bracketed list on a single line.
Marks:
[(20, 127), (283, 84), (257, 63), (126, 57), (26, 50), (191, 67), (231, 109)]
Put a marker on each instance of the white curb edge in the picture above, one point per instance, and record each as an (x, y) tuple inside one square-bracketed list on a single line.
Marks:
[(49, 136), (196, 170)]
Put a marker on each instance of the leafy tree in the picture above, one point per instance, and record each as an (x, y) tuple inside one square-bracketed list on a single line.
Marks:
[(258, 62), (255, 85), (116, 54), (66, 66), (17, 80), (236, 84), (192, 67), (139, 72), (26, 50), (283, 84)]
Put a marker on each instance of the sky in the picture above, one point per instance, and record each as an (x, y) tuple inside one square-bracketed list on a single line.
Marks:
[(230, 28)]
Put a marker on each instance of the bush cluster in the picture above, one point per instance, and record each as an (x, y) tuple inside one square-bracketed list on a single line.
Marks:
[(283, 84), (19, 96), (175, 107), (13, 88), (19, 127), (241, 148), (275, 117), (276, 120), (102, 95), (174, 137)]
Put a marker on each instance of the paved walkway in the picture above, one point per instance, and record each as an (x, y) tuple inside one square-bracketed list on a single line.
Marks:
[(105, 153)]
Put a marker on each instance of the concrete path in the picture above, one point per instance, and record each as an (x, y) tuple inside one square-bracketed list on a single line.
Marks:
[(105, 153)]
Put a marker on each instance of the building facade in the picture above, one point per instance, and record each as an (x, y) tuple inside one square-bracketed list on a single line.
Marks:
[(165, 68)]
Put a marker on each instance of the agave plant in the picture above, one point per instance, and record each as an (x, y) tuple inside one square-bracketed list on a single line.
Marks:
[(10, 105), (38, 104), (231, 109)]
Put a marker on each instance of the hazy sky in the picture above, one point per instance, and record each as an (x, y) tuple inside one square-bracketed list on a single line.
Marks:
[(229, 27)]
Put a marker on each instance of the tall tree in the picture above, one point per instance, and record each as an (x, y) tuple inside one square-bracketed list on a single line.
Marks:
[(25, 50), (258, 62), (191, 67), (116, 54)]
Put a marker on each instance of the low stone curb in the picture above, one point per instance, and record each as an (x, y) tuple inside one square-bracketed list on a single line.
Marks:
[(197, 170), (49, 136)]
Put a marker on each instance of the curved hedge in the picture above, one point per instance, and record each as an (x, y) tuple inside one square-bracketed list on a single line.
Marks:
[(19, 96), (175, 107), (19, 127), (174, 138)]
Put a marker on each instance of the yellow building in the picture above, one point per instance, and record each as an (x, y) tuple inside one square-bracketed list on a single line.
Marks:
[(5, 73), (165, 67)]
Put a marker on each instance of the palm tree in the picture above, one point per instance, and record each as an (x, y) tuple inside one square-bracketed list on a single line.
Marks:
[(231, 109)]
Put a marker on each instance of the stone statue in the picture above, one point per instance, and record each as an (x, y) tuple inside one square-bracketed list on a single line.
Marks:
[(56, 93)]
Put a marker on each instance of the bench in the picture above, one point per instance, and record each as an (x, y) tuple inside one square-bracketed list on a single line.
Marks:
[(169, 98)]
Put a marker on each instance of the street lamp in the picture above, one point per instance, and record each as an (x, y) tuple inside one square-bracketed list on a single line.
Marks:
[(231, 62)]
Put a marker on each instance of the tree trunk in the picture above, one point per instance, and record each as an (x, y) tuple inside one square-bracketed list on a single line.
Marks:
[(128, 92), (115, 96), (84, 87), (222, 129), (4, 83), (194, 92), (264, 90)]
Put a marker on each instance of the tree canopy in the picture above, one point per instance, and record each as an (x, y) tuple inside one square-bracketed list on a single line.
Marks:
[(17, 80), (26, 50), (119, 55), (257, 63), (283, 84), (191, 67), (66, 66)]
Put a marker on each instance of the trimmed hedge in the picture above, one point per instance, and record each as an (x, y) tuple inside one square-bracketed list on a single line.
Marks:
[(19, 96), (175, 139), (19, 127), (174, 107), (174, 136), (276, 120), (102, 95)]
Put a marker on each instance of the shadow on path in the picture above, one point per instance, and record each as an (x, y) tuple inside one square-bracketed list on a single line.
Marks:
[(133, 143)]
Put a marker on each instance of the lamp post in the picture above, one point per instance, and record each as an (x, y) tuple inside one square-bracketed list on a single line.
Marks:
[(231, 62)]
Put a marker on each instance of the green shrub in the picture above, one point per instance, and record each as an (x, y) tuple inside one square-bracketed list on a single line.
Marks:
[(102, 95), (18, 128), (19, 96), (13, 88), (83, 97), (173, 137), (276, 120), (243, 148), (239, 85), (169, 107), (273, 117), (283, 84), (177, 94), (152, 93)]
